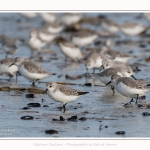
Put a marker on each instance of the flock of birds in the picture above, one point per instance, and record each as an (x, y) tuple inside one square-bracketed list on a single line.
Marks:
[(113, 65)]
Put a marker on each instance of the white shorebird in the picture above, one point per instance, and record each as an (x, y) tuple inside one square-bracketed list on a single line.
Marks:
[(54, 28), (30, 70), (110, 26), (95, 61), (5, 69), (108, 63), (116, 55), (128, 87), (71, 18), (132, 28), (71, 50), (84, 38), (35, 42), (46, 36), (62, 93), (9, 45), (49, 17), (105, 76)]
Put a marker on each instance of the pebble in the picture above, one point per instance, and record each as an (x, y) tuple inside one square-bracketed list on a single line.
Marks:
[(82, 119), (51, 131), (25, 108), (30, 95), (45, 106), (27, 118), (120, 132), (61, 118), (146, 114), (34, 105), (53, 119), (72, 118)]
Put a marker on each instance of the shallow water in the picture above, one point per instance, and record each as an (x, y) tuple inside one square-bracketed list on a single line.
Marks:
[(105, 113)]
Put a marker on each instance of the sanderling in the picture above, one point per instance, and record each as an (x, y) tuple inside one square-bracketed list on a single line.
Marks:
[(105, 76), (110, 26), (71, 50), (128, 87), (132, 28), (54, 27), (116, 55), (84, 38), (71, 18), (35, 43), (46, 36), (9, 44), (95, 61), (30, 70), (62, 93), (108, 63), (5, 69), (49, 17)]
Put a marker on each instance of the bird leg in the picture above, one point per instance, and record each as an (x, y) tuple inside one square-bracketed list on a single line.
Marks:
[(33, 83), (64, 108), (17, 76), (131, 100), (137, 98), (36, 81), (10, 78), (112, 87)]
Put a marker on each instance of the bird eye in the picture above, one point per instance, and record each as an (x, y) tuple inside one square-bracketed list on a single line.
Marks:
[(128, 71), (50, 86)]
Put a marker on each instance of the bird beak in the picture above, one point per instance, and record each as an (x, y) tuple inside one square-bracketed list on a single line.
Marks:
[(108, 83), (11, 65), (133, 77), (45, 91), (101, 68)]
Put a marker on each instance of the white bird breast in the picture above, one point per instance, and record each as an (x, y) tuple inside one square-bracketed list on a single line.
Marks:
[(68, 20), (110, 28), (74, 53), (133, 31), (31, 76), (61, 97), (81, 41), (47, 38), (48, 17), (55, 30), (8, 70), (128, 91)]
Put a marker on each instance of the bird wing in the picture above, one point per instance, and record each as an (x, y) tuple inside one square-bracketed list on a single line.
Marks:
[(131, 82), (69, 91), (33, 68)]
